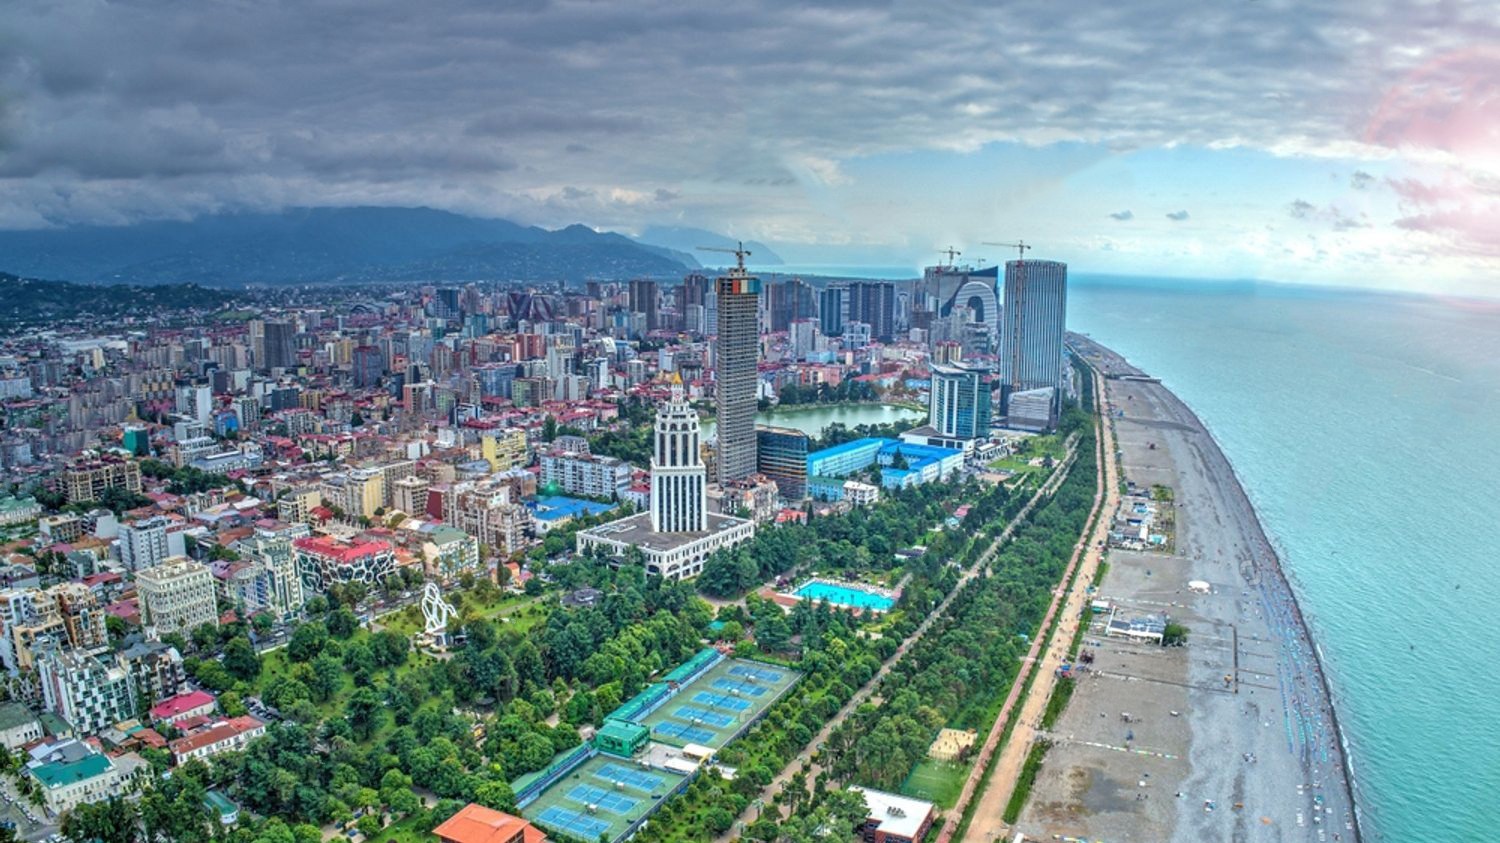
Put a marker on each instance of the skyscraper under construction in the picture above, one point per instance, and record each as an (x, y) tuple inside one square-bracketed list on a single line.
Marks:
[(735, 361)]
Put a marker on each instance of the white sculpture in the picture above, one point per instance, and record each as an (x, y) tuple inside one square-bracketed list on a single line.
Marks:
[(437, 610)]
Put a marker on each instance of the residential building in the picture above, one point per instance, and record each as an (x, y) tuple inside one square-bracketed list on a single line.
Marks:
[(584, 474), (409, 495), (87, 479), (448, 552), (67, 614), (143, 544), (155, 668), (874, 304), (296, 505), (487, 512), (177, 596), (63, 527), (90, 693), (833, 309)]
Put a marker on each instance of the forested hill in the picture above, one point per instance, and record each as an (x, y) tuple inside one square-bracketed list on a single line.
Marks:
[(318, 245), (30, 303)]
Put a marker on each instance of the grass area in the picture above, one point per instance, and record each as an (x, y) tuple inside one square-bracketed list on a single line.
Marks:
[(1061, 693), (1023, 785), (936, 781), (404, 831)]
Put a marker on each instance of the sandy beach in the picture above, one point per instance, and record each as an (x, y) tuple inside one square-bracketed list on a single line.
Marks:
[(1232, 737)]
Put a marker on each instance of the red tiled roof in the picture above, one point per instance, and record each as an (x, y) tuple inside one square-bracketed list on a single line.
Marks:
[(331, 548), (478, 824), (223, 731), (173, 706)]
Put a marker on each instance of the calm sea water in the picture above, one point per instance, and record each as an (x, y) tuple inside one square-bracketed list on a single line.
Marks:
[(1366, 430)]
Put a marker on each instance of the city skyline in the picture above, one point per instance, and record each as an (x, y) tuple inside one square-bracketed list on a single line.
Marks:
[(1346, 145)]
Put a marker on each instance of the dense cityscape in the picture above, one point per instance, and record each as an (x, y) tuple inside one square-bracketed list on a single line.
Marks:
[(377, 561)]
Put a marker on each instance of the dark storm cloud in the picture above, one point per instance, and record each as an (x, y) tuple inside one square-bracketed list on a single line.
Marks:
[(151, 107)]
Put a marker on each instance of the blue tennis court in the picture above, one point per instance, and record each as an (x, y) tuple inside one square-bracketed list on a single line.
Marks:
[(571, 822), (614, 803), (691, 734), (634, 778), (721, 701), (739, 687), (693, 713), (761, 673)]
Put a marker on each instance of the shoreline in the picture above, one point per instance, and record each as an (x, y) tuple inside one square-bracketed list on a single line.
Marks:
[(1259, 729), (1278, 570)]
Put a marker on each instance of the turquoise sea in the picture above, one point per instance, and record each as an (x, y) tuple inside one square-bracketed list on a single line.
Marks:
[(1366, 429)]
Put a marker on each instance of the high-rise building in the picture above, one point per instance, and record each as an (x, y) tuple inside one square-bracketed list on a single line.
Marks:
[(787, 302), (874, 303), (1033, 325), (833, 308), (736, 356), (781, 454), (368, 364), (143, 544), (645, 298), (90, 693), (87, 479), (959, 403), (177, 596), (679, 482), (280, 343)]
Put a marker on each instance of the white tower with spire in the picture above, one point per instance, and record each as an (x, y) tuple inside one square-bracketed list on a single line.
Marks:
[(679, 499)]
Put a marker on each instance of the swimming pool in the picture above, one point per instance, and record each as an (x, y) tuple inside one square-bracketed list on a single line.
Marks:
[(842, 595)]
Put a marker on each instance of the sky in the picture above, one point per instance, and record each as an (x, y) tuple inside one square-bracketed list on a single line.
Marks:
[(1348, 143)]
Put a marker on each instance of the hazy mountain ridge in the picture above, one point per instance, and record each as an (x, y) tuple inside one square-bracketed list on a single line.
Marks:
[(310, 245), (687, 239), (35, 302)]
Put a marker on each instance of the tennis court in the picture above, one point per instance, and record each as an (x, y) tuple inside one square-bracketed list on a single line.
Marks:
[(733, 687), (713, 700), (720, 703), (612, 802), (693, 714), (573, 823), (588, 802), (764, 674), (638, 779), (683, 732)]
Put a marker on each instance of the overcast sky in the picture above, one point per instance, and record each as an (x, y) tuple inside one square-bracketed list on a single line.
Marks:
[(1344, 142)]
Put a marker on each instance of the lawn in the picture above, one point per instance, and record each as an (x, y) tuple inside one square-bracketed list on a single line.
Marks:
[(936, 781), (404, 831)]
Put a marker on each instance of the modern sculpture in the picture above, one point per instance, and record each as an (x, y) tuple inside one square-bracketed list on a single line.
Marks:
[(437, 611)]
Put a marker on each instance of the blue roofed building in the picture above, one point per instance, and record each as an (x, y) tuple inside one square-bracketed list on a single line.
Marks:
[(902, 464), (550, 512)]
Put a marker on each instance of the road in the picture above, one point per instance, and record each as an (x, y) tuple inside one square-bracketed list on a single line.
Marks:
[(987, 824), (803, 761)]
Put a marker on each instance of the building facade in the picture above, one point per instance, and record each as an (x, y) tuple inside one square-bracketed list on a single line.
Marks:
[(1034, 325), (737, 355), (781, 453), (177, 596), (678, 478)]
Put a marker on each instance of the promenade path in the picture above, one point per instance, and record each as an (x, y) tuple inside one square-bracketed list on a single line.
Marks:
[(987, 823), (803, 761)]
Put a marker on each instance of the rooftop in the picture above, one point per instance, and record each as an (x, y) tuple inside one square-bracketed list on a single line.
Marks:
[(59, 773), (342, 551), (173, 706), (636, 530), (898, 815), (478, 824), (557, 507)]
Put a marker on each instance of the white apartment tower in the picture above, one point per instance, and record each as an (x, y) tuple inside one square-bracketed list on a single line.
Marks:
[(177, 596), (679, 502)]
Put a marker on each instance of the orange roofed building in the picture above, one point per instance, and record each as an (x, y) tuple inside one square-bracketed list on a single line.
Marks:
[(478, 824)]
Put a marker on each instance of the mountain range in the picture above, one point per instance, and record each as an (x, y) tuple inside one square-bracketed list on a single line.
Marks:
[(349, 245)]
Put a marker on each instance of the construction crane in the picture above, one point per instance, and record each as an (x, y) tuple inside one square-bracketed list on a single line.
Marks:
[(740, 253), (951, 253), (1019, 245)]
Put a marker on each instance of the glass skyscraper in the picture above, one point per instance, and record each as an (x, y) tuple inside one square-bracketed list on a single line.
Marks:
[(1033, 323), (736, 355)]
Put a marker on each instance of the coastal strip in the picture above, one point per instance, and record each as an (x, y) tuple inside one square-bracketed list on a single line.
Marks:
[(1231, 737)]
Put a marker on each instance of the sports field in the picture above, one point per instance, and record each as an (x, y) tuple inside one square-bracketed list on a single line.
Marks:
[(936, 781), (604, 795), (720, 702)]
